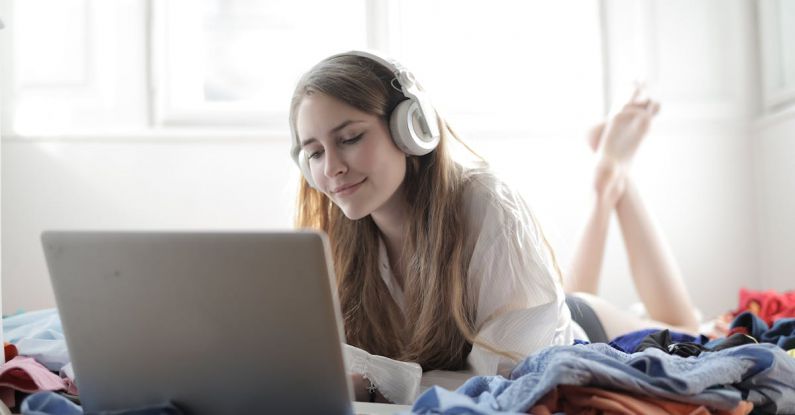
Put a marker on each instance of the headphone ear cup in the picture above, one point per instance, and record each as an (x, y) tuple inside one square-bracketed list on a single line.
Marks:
[(303, 164), (406, 131)]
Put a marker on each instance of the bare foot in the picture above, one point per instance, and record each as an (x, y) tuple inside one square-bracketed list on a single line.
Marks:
[(615, 144), (622, 135), (595, 136)]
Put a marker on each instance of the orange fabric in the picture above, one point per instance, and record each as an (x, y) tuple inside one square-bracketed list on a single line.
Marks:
[(588, 400)]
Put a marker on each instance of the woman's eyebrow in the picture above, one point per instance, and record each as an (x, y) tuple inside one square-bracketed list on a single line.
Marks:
[(333, 130)]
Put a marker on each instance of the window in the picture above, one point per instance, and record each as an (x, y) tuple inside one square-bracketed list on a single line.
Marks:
[(488, 66), (777, 36), (79, 67), (511, 67), (236, 61)]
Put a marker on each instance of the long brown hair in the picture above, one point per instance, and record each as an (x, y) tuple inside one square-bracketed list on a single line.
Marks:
[(437, 328)]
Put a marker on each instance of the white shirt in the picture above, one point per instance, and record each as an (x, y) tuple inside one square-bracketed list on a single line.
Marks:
[(521, 305)]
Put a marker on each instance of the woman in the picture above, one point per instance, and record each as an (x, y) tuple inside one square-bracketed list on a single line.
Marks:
[(437, 264)]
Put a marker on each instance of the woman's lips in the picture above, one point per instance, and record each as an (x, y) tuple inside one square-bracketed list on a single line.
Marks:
[(348, 189)]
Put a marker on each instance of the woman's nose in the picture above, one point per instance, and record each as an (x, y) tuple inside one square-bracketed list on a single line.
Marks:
[(335, 165)]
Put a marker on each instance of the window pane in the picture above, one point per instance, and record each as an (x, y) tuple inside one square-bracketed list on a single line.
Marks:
[(787, 42), (77, 67), (249, 53)]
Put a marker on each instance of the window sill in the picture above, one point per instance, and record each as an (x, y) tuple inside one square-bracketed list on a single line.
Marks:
[(186, 135), (772, 119)]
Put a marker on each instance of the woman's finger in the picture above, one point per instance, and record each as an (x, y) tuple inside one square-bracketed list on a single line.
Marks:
[(635, 94), (639, 104), (653, 108)]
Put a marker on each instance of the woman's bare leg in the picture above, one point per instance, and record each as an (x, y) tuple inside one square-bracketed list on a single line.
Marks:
[(586, 266), (655, 273), (653, 268)]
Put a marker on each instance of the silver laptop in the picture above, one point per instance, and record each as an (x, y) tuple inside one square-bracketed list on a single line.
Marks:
[(215, 323)]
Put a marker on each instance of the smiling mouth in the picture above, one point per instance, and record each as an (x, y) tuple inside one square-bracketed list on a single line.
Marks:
[(349, 189)]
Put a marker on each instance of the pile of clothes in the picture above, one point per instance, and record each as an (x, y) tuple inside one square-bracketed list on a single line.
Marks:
[(36, 357), (750, 369), (574, 379)]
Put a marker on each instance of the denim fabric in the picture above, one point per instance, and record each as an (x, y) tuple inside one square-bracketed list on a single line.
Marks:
[(50, 403), (758, 373), (782, 334)]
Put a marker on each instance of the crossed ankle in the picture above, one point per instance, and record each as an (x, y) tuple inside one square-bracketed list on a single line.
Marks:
[(610, 182)]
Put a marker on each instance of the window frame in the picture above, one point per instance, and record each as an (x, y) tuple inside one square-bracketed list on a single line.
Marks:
[(775, 97)]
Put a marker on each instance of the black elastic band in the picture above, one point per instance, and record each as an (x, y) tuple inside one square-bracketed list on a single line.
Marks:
[(584, 315)]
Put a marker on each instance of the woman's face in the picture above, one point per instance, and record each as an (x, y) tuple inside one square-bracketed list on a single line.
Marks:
[(351, 155)]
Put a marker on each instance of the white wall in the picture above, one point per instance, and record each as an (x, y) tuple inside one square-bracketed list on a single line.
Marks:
[(5, 80), (774, 157), (249, 185), (696, 184), (695, 170), (129, 185)]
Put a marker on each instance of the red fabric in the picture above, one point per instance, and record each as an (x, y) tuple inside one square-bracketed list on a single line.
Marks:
[(10, 351), (25, 374), (768, 305), (8, 396), (573, 399)]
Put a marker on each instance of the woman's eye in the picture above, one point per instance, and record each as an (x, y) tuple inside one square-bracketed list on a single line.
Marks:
[(353, 140), (316, 154)]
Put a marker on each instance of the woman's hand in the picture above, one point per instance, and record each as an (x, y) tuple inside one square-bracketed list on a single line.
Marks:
[(361, 392), (359, 387)]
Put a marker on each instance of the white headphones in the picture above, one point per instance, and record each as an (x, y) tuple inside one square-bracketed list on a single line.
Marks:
[(413, 122)]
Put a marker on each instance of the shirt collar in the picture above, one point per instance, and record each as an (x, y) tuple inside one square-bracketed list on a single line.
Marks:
[(388, 276)]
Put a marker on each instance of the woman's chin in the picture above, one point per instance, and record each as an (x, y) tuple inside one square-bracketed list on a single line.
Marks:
[(354, 214)]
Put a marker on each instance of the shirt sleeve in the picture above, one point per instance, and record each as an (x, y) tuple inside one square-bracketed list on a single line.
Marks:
[(520, 301), (397, 381)]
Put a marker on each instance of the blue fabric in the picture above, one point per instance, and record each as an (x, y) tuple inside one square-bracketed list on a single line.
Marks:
[(628, 343), (758, 372), (51, 403), (38, 334), (782, 334), (756, 326)]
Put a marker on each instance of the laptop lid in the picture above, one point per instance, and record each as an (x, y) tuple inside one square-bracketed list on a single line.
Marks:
[(214, 322)]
